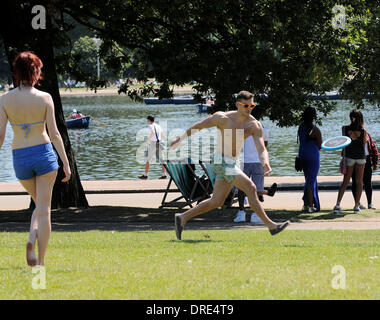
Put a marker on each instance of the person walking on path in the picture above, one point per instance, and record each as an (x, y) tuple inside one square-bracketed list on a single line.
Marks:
[(372, 161), (354, 157), (34, 159), (233, 128), (253, 168), (155, 147), (310, 138)]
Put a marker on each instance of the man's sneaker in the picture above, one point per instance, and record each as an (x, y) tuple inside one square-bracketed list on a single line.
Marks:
[(163, 176), (356, 209), (255, 218), (311, 209), (305, 208), (337, 209), (143, 176), (272, 190), (240, 216), (371, 206), (261, 198), (361, 207)]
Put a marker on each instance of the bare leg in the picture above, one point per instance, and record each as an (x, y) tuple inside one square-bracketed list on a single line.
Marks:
[(30, 187), (343, 186), (359, 183), (163, 170), (44, 189), (221, 191), (248, 187), (146, 168)]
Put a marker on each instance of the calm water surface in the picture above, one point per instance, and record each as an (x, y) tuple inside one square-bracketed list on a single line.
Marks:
[(109, 152)]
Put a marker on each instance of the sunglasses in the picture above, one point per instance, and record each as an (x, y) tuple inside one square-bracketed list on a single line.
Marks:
[(247, 105)]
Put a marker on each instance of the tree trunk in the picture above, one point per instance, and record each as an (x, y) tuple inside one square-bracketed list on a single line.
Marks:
[(18, 35)]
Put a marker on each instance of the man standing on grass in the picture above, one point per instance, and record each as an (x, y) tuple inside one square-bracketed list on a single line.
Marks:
[(233, 128)]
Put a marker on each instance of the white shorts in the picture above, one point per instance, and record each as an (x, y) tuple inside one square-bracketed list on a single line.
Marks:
[(352, 162), (154, 152)]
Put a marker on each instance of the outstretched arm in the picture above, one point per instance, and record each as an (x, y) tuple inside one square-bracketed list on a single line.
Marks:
[(56, 138), (3, 123), (208, 122), (257, 134)]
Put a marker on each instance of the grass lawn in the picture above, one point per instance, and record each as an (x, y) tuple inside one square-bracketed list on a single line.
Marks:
[(208, 264)]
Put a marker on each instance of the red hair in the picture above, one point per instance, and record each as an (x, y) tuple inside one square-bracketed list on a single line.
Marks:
[(26, 68)]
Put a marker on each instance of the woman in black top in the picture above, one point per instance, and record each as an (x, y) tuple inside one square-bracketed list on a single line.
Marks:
[(355, 158)]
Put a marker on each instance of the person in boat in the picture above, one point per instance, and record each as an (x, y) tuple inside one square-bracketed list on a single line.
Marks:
[(234, 127), (72, 114), (79, 115), (29, 112), (210, 101)]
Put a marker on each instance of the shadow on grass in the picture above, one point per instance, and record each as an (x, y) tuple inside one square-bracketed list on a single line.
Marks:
[(194, 241), (113, 218), (297, 216)]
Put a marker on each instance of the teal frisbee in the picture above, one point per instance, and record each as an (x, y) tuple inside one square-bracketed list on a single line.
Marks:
[(336, 143)]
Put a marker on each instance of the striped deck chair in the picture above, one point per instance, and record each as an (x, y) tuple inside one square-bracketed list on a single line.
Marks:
[(179, 175), (231, 198)]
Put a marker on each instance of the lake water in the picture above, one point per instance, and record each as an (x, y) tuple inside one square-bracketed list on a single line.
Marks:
[(109, 152)]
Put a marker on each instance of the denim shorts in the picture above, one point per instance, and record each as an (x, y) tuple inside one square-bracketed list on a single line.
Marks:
[(225, 168), (34, 161), (351, 162)]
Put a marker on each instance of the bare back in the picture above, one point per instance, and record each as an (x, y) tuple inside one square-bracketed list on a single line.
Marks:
[(25, 106)]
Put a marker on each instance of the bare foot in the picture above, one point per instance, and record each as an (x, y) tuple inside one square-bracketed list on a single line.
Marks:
[(30, 255)]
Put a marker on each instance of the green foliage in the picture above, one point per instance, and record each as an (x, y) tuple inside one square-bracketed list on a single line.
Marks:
[(286, 50), (282, 51)]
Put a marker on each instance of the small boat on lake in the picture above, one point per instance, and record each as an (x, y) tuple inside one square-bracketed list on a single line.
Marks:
[(203, 108), (79, 123), (174, 100)]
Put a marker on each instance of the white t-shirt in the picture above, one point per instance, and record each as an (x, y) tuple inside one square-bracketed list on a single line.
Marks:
[(158, 130), (249, 150)]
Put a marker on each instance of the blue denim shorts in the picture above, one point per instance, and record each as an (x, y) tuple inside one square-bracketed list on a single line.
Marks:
[(34, 161)]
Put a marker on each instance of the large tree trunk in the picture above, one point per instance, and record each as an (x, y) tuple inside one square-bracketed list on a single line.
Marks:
[(18, 35)]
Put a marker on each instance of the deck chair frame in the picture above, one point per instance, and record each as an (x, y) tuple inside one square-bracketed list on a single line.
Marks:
[(187, 198)]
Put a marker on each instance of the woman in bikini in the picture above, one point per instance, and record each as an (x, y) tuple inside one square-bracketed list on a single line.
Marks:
[(34, 159), (354, 156)]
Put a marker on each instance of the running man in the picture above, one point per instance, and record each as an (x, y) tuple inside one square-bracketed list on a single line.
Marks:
[(233, 128)]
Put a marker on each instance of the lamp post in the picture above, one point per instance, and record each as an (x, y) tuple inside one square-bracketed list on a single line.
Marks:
[(97, 41)]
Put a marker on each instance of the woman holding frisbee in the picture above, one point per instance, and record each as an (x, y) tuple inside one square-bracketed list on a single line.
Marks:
[(310, 138), (34, 160), (354, 156)]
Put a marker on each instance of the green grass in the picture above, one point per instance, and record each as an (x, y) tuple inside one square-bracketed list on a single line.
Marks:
[(221, 264)]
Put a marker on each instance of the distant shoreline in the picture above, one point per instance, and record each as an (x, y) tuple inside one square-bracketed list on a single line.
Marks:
[(111, 91)]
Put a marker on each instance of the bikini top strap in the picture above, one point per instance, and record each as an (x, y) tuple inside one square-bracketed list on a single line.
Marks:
[(26, 126)]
